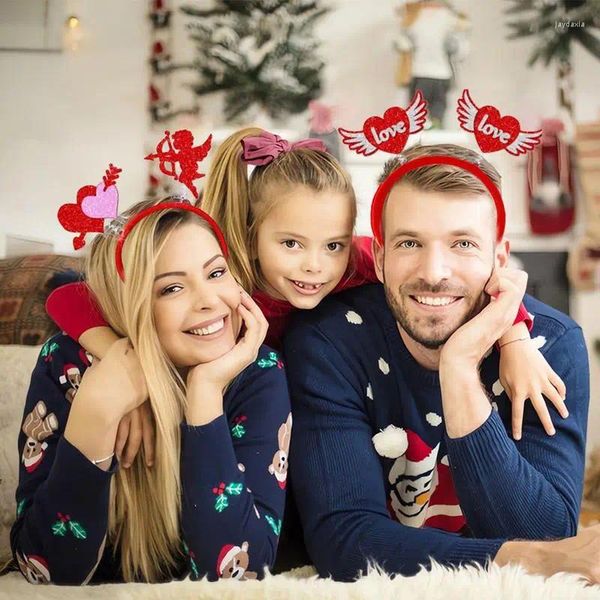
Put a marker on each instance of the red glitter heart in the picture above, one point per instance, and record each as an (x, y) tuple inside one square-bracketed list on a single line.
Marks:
[(389, 133), (493, 132), (72, 218)]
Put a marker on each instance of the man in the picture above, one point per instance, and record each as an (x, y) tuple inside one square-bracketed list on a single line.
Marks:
[(399, 455)]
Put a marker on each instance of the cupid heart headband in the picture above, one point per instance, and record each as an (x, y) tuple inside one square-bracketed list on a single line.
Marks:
[(390, 133), (386, 186), (95, 204)]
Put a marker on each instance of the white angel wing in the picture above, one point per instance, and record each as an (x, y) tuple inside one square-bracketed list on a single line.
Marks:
[(467, 109), (417, 113), (357, 141), (526, 140)]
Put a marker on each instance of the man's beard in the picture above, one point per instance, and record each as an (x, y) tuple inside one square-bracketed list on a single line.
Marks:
[(428, 336)]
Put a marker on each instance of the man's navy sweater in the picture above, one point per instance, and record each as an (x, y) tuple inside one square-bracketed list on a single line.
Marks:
[(423, 496)]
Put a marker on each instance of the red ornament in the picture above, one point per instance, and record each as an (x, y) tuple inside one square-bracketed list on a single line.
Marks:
[(493, 132), (389, 133)]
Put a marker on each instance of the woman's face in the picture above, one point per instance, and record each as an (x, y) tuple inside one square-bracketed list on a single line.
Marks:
[(194, 298)]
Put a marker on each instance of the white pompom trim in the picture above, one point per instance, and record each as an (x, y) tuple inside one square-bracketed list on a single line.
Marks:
[(392, 442)]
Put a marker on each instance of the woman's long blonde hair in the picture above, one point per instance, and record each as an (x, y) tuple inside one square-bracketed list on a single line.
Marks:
[(239, 204), (145, 503)]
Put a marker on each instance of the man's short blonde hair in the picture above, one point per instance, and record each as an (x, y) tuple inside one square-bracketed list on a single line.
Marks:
[(442, 177)]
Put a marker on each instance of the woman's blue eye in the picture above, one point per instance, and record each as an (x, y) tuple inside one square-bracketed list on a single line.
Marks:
[(217, 273), (170, 290), (291, 244)]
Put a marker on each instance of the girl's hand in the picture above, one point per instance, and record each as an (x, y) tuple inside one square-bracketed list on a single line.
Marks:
[(524, 373), (135, 428), (114, 385), (218, 373)]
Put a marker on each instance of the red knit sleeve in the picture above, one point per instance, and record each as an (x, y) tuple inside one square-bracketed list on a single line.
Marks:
[(73, 309), (523, 316)]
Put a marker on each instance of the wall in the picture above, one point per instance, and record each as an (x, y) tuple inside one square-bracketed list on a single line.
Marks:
[(65, 116)]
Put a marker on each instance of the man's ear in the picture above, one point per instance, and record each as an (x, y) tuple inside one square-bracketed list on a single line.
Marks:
[(502, 253), (378, 254)]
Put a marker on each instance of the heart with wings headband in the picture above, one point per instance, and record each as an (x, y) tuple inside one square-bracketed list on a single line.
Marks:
[(390, 133)]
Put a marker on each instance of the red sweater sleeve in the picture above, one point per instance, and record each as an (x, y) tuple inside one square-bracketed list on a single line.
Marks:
[(523, 316), (73, 309)]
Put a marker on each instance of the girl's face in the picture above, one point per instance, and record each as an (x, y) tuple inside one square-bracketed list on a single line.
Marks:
[(304, 245), (194, 298)]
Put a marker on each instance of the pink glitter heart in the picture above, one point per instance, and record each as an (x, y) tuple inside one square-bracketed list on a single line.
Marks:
[(103, 205)]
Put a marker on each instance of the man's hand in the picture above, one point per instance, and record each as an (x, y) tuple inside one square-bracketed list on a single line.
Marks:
[(469, 343), (579, 554)]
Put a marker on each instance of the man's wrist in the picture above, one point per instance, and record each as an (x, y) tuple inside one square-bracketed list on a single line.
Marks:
[(528, 554)]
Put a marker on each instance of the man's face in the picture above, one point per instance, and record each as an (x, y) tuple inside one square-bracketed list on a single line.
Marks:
[(439, 252)]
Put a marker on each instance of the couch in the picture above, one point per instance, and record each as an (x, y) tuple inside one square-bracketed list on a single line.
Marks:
[(24, 285)]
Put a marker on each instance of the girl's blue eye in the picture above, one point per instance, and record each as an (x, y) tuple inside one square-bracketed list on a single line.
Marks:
[(170, 290), (217, 273), (291, 244), (335, 246)]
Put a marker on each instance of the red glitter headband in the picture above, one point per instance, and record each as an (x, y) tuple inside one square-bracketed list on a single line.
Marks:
[(435, 159), (131, 223)]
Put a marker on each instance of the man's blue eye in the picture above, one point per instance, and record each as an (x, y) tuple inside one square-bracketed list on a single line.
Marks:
[(468, 245)]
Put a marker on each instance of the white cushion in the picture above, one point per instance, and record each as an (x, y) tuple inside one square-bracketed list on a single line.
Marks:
[(16, 366)]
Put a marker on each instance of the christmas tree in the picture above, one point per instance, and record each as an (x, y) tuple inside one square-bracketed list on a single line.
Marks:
[(558, 24), (259, 52)]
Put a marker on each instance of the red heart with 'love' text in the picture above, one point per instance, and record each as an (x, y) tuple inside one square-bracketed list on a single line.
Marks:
[(493, 132), (390, 133), (72, 218)]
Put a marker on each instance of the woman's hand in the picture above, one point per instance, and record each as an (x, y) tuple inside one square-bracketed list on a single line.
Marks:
[(525, 374), (210, 379)]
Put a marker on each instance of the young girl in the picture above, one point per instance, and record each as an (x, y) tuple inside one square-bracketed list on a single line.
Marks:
[(289, 225), (213, 501)]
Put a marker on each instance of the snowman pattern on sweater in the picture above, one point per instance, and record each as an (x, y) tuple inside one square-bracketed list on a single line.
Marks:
[(421, 492)]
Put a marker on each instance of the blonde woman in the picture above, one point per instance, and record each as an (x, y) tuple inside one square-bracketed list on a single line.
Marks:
[(212, 502)]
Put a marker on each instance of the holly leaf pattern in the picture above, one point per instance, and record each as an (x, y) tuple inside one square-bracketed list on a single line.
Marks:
[(48, 348), (265, 363), (77, 530), (221, 503), (59, 528), (20, 507), (238, 430), (234, 489), (275, 525)]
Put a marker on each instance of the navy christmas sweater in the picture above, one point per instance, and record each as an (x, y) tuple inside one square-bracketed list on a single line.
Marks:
[(424, 496), (233, 476)]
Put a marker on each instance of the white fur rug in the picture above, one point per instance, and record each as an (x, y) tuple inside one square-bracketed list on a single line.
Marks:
[(467, 583)]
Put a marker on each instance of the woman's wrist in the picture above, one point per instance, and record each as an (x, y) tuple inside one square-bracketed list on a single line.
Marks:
[(204, 404)]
